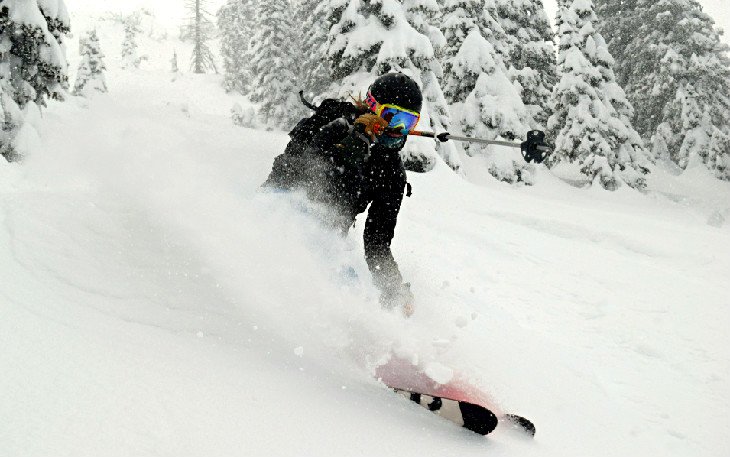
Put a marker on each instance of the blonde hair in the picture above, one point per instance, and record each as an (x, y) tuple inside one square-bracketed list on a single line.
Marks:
[(360, 102)]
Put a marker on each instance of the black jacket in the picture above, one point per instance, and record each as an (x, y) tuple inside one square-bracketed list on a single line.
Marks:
[(340, 168)]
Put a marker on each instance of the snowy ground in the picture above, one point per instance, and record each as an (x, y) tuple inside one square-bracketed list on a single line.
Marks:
[(153, 302)]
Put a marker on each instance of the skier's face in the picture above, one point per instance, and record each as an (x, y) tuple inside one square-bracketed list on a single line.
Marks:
[(392, 140)]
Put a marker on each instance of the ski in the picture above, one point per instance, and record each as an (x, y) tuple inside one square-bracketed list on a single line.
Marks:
[(521, 423), (473, 417)]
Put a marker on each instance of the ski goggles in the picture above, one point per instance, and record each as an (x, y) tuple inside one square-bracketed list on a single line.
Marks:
[(399, 119)]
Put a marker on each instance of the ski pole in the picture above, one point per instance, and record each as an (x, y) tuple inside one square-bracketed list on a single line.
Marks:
[(533, 150), (444, 137)]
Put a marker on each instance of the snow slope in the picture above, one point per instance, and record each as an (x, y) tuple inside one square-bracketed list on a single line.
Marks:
[(154, 302)]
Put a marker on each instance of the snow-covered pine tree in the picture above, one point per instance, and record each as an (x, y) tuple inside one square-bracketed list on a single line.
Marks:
[(83, 75), (491, 28), (273, 59), (458, 21), (32, 65), (319, 16), (243, 117), (618, 23), (484, 102), (591, 120), (236, 22), (531, 53), (59, 24), (676, 72), (132, 24), (373, 37), (422, 15), (57, 18), (90, 76), (200, 29)]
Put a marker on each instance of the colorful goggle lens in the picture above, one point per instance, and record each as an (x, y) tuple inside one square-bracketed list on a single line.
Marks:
[(398, 118)]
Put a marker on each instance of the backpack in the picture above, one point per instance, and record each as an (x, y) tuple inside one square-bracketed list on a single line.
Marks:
[(328, 111)]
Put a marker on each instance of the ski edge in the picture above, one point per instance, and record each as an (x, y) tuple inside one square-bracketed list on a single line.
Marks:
[(474, 417)]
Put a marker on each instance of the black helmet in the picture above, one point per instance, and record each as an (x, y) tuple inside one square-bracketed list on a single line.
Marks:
[(397, 89)]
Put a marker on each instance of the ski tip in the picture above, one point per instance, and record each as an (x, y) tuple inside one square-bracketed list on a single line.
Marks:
[(521, 423)]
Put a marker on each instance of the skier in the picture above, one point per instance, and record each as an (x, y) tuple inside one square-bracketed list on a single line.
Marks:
[(346, 156)]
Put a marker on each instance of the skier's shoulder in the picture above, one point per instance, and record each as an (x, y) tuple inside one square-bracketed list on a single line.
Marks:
[(329, 111), (341, 116)]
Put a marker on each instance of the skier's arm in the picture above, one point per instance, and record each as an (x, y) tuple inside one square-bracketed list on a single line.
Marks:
[(331, 135)]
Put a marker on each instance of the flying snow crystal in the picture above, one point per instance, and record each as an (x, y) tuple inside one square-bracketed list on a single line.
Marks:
[(439, 373)]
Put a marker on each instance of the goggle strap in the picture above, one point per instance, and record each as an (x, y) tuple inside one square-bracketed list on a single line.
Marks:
[(377, 108)]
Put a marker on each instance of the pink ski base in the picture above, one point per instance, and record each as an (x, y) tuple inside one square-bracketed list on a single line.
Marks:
[(400, 373)]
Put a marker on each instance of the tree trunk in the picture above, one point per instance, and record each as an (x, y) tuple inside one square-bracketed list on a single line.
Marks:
[(198, 39)]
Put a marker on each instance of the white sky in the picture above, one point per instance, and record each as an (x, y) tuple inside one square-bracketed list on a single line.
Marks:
[(172, 11)]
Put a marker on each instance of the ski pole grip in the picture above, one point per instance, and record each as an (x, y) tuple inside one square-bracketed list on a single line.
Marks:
[(443, 137)]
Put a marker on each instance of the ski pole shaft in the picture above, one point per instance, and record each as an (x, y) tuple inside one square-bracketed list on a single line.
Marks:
[(422, 134), (483, 141), (443, 137)]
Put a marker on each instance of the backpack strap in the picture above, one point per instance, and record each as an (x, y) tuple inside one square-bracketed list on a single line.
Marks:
[(305, 102), (328, 111)]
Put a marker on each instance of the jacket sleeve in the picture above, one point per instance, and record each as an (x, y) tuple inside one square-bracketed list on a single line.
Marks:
[(332, 134), (379, 232)]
